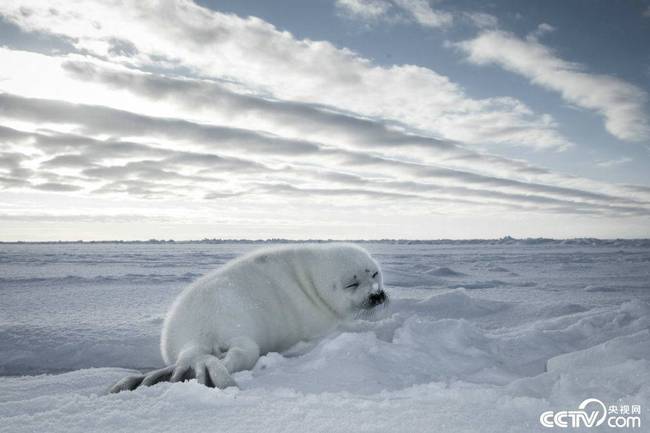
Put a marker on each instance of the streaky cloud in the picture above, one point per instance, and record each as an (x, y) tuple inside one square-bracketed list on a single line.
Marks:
[(622, 105)]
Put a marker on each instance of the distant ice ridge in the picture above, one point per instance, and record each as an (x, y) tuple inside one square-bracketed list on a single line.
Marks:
[(506, 240), (439, 359), (103, 279)]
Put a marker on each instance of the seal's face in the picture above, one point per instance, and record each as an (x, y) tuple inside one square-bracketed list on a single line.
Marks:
[(365, 288), (357, 285)]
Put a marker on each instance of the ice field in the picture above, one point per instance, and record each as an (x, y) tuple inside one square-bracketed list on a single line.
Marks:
[(478, 337)]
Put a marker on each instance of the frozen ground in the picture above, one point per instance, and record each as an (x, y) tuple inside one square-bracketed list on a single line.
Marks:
[(478, 338)]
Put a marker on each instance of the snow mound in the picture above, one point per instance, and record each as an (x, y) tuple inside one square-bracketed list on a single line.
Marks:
[(498, 269), (601, 289), (488, 284), (445, 272), (618, 350), (456, 304), (617, 370)]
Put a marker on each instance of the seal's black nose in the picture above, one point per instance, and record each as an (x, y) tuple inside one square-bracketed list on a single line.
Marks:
[(377, 298)]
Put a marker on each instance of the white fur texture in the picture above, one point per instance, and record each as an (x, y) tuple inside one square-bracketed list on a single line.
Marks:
[(265, 301)]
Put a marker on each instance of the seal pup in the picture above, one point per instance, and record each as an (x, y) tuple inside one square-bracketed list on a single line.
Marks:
[(265, 301)]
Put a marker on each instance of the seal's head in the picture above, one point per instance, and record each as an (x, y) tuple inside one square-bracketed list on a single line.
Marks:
[(355, 279)]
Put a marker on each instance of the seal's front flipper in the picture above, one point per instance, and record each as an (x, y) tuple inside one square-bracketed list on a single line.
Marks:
[(127, 384), (242, 354)]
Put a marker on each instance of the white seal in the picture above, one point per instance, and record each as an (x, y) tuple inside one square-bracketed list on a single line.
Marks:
[(265, 301)]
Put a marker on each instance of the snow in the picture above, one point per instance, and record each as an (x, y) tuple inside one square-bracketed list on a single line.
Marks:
[(477, 337)]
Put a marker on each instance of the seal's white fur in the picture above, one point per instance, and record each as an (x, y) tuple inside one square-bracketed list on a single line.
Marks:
[(265, 301)]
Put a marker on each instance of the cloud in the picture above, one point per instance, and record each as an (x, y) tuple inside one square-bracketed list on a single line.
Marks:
[(144, 170), (11, 161), (70, 161), (623, 105), (346, 131), (222, 118), (349, 193), (124, 123), (482, 20), (97, 120), (422, 13), (540, 31), (372, 11), (152, 190), (363, 9), (154, 171), (614, 162), (12, 182), (258, 58), (56, 187), (296, 119)]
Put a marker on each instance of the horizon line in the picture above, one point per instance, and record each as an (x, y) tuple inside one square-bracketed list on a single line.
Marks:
[(319, 240)]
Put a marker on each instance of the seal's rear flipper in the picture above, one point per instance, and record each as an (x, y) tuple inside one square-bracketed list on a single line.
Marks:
[(127, 384), (156, 376), (171, 373)]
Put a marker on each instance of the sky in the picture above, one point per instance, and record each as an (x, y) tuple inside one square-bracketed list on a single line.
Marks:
[(343, 119)]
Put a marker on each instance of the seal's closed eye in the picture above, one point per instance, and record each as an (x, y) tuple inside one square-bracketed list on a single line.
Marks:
[(352, 286)]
